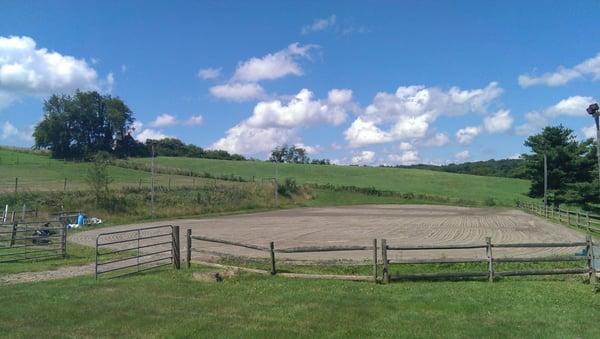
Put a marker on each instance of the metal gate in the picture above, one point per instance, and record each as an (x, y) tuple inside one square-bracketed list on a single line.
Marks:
[(132, 251), (22, 241)]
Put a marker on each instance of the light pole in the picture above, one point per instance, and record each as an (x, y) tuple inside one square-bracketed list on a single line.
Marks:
[(152, 185), (594, 110)]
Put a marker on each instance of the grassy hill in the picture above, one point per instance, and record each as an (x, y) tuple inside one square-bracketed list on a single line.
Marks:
[(38, 172), (460, 186)]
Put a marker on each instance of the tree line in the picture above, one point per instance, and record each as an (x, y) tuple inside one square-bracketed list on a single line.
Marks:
[(81, 125)]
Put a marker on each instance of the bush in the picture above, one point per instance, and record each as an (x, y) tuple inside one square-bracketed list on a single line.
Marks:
[(288, 187)]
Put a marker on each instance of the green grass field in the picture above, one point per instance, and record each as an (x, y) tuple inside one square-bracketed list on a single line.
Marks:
[(171, 304), (458, 186), (36, 172)]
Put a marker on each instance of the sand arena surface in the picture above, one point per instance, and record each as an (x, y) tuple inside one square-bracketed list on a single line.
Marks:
[(359, 225)]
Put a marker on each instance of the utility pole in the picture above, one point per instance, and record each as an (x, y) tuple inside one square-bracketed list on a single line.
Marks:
[(594, 110), (276, 185), (152, 184), (545, 184)]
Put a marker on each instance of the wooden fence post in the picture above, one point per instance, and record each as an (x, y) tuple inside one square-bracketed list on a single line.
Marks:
[(568, 217), (16, 185), (375, 259), (176, 248), (587, 219), (65, 185), (590, 253), (63, 241), (578, 218), (13, 233), (272, 251), (189, 248), (559, 215), (384, 257), (488, 251)]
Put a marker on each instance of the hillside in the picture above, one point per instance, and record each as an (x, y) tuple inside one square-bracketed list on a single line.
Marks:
[(461, 186), (509, 168), (38, 172)]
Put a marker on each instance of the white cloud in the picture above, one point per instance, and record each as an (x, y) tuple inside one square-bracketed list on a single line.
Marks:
[(273, 66), (319, 24), (363, 158), (515, 156), (466, 135), (589, 67), (498, 122), (273, 123), (534, 122), (362, 133), (209, 73), (123, 68), (238, 91), (194, 120), (410, 110), (302, 110), (150, 134), (164, 120), (438, 140), (409, 155), (28, 70), (246, 139), (589, 131), (309, 149), (462, 156), (9, 130), (571, 106)]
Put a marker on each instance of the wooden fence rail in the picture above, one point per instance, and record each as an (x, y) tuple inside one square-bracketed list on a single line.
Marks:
[(584, 220), (386, 277)]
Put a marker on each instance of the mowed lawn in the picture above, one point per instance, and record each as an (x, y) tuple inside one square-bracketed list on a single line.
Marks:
[(37, 172), (458, 186), (171, 304)]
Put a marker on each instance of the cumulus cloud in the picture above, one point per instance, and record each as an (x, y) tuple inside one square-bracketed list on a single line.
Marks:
[(587, 68), (462, 156), (150, 134), (319, 24), (238, 91), (438, 140), (164, 120), (273, 123), (8, 131), (309, 149), (409, 155), (498, 122), (26, 69), (246, 139), (209, 73), (363, 158), (194, 120), (302, 110), (409, 112), (273, 65), (589, 131), (362, 133), (571, 106), (466, 135)]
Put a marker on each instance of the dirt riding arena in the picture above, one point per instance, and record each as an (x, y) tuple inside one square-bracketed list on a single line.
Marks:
[(359, 225)]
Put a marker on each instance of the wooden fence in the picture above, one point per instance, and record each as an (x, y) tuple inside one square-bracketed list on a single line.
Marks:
[(583, 220), (386, 277)]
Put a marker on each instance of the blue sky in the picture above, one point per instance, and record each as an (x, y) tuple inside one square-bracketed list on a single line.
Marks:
[(367, 82)]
